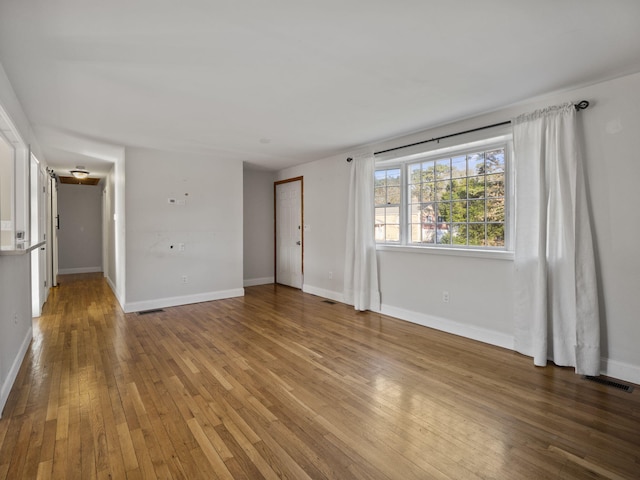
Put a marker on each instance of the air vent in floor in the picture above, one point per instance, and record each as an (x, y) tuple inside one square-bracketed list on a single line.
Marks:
[(153, 310), (610, 383)]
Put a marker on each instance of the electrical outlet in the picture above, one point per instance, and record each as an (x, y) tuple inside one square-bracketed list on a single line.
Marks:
[(330, 275), (15, 318), (181, 247), (445, 296), (185, 279)]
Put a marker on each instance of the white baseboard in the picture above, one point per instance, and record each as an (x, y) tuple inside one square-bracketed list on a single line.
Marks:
[(468, 331), (67, 271), (620, 370), (182, 300), (13, 372), (252, 282), (473, 332), (321, 292)]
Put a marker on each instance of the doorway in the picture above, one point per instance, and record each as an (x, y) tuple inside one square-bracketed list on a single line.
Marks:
[(289, 232), (38, 218)]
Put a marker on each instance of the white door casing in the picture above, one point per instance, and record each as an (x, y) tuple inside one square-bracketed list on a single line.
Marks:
[(55, 224), (42, 220), (288, 232)]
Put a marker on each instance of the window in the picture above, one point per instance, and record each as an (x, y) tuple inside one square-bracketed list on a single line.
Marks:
[(454, 197), (14, 191), (6, 193), (387, 200)]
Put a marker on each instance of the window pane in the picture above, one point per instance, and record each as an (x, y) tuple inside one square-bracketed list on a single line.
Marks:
[(428, 213), (475, 164), (495, 185), (495, 161), (459, 167), (380, 194), (459, 188), (495, 234), (443, 236), (393, 176), (381, 177), (443, 168), (415, 173), (414, 192), (415, 213), (428, 172), (379, 232), (428, 233), (444, 212), (476, 211), (427, 192), (380, 216), (393, 195), (495, 210), (393, 233), (459, 211), (459, 234), (476, 234), (392, 215), (476, 187), (416, 236), (443, 190)]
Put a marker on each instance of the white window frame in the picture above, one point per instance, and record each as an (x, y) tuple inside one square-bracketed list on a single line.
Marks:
[(402, 161)]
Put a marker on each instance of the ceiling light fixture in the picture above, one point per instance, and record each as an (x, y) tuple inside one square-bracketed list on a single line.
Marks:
[(79, 172)]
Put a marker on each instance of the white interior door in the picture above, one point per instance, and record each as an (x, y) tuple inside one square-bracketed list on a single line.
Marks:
[(42, 220), (38, 215), (289, 233)]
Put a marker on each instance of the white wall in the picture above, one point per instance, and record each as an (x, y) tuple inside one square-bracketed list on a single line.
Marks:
[(481, 289), (207, 219), (80, 233), (326, 184), (258, 227), (15, 287), (15, 319)]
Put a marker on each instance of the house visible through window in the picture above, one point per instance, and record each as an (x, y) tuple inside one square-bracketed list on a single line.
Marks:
[(456, 200)]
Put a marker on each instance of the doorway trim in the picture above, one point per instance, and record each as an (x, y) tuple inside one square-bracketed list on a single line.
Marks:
[(275, 224)]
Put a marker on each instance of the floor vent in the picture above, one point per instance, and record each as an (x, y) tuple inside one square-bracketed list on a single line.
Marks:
[(153, 310), (610, 383), (330, 302)]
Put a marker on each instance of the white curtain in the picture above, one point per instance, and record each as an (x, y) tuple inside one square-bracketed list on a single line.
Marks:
[(361, 267), (556, 291)]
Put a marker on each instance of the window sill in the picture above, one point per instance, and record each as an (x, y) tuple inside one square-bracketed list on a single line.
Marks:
[(21, 248), (456, 252)]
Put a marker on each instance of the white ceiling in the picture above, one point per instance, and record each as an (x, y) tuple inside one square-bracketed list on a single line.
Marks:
[(281, 82)]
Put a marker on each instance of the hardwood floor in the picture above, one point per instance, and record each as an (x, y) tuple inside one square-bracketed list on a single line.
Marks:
[(280, 384)]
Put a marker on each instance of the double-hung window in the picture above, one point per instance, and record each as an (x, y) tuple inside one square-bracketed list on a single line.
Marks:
[(454, 197)]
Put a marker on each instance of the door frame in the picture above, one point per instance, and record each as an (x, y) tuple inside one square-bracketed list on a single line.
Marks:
[(275, 224)]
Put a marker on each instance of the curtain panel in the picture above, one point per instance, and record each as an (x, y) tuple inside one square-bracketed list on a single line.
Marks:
[(361, 267), (556, 298)]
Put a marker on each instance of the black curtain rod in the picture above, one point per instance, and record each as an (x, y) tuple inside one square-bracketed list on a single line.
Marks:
[(582, 105)]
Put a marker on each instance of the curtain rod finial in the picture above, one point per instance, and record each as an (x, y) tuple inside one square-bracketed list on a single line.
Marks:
[(349, 159), (582, 105)]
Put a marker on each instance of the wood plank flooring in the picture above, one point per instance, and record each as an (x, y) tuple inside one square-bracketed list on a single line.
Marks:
[(280, 384)]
